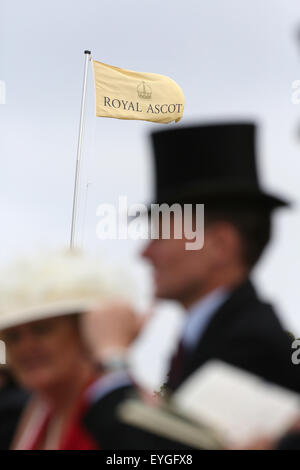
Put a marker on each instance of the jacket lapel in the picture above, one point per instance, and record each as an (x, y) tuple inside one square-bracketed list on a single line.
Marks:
[(221, 325)]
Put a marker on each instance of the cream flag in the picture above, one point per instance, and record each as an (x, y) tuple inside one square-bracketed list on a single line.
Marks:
[(124, 94)]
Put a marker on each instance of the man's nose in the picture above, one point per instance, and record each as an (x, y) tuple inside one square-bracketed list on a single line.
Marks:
[(147, 251)]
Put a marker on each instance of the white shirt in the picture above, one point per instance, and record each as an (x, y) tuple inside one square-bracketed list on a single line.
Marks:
[(199, 315)]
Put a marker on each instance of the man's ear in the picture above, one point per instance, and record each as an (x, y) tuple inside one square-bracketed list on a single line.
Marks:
[(224, 241)]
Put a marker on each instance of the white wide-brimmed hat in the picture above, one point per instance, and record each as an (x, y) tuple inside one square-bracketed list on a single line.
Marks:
[(56, 284)]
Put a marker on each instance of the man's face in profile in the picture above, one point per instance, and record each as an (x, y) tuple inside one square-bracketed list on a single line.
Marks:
[(182, 274)]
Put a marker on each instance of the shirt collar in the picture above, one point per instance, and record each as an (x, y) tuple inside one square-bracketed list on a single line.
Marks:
[(199, 315)]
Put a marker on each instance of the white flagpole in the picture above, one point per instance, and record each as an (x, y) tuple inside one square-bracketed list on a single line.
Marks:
[(79, 149)]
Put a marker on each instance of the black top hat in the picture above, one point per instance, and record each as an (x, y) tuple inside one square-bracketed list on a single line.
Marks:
[(209, 163)]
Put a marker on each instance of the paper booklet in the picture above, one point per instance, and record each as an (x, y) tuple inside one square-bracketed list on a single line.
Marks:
[(219, 406)]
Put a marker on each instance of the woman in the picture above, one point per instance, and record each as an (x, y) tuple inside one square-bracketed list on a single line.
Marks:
[(40, 309)]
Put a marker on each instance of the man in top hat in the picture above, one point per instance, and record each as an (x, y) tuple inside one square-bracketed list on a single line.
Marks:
[(225, 319)]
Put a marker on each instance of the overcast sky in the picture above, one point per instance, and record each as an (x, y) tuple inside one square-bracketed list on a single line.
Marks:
[(233, 59)]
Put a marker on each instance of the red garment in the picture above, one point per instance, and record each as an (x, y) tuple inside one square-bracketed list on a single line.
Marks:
[(74, 436)]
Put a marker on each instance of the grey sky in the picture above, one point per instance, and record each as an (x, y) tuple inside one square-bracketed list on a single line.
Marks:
[(232, 59)]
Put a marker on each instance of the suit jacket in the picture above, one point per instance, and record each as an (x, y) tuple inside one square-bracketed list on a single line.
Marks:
[(244, 332)]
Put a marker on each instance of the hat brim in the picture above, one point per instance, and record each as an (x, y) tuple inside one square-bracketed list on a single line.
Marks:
[(60, 308), (213, 196)]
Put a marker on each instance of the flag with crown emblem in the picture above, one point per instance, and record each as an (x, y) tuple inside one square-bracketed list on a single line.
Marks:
[(125, 94)]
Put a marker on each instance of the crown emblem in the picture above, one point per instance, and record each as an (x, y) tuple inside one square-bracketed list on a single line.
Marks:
[(144, 91)]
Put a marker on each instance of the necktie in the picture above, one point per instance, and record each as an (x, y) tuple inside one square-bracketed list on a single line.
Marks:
[(176, 367)]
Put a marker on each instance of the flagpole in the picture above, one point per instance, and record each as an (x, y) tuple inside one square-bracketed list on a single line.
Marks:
[(79, 149)]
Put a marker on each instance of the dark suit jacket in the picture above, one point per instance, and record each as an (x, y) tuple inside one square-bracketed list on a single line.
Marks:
[(244, 332)]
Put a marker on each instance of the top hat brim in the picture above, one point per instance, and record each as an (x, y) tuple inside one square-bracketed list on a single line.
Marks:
[(239, 196)]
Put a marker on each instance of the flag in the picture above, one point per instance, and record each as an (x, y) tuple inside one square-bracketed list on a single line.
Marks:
[(125, 94)]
